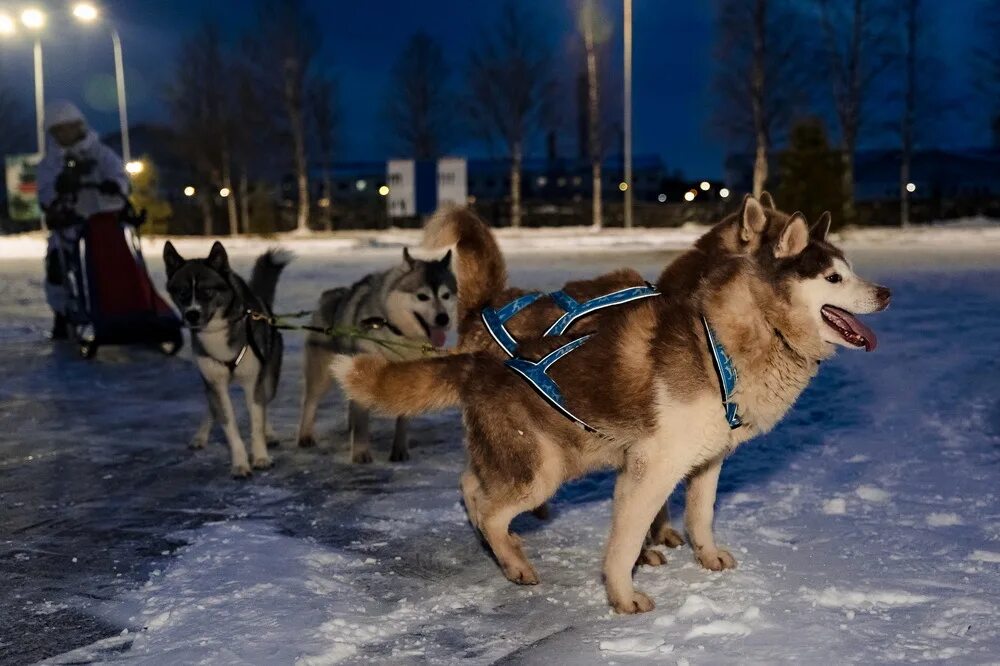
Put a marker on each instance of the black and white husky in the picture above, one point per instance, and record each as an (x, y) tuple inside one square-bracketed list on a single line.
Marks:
[(229, 345), (415, 302)]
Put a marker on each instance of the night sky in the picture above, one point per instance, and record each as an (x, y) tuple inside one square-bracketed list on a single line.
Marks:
[(673, 54)]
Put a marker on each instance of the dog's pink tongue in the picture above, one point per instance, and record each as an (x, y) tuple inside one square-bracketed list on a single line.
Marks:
[(857, 327), (438, 336)]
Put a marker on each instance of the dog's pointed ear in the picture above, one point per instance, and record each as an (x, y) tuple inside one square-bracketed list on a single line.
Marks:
[(767, 201), (820, 230), (218, 260), (410, 261), (172, 259), (753, 219), (794, 237), (446, 259)]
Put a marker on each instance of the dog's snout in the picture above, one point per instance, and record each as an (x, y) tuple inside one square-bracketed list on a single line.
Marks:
[(192, 316), (884, 296), (442, 319)]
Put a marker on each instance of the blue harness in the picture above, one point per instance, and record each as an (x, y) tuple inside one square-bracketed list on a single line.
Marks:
[(536, 372), (726, 372)]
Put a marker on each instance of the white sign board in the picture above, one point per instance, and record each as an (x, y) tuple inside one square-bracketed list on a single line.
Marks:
[(402, 181), (452, 181)]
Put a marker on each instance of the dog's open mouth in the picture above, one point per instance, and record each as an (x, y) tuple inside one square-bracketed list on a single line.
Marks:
[(436, 334), (849, 327)]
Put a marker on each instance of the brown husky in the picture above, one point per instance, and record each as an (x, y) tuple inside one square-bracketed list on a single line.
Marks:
[(648, 382)]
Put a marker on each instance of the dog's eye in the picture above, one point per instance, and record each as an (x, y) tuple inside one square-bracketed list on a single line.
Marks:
[(445, 296), (834, 279), (423, 297)]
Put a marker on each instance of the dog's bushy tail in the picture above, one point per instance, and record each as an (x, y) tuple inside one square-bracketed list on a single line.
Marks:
[(403, 388), (480, 267), (266, 271)]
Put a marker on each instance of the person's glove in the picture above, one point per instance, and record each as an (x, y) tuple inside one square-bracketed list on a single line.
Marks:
[(109, 187), (65, 184)]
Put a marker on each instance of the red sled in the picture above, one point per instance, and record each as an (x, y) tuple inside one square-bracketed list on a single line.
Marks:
[(111, 299)]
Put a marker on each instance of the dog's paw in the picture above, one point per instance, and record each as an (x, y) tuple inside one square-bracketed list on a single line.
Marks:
[(197, 443), (307, 442), (716, 560), (361, 457), (651, 558), (521, 573), (399, 456), (633, 603), (668, 536), (264, 462), (241, 471)]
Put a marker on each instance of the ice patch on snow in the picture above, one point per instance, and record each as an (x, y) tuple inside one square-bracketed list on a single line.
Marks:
[(872, 494), (831, 597), (719, 628), (835, 507), (943, 519), (985, 556), (632, 645)]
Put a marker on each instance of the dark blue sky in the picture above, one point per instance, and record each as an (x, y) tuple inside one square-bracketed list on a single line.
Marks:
[(674, 62)]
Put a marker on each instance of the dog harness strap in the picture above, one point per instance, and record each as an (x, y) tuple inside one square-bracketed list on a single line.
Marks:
[(726, 372), (575, 310), (537, 375), (496, 318), (232, 365)]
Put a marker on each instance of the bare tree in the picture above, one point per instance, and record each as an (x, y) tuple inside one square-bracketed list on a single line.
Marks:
[(283, 47), (510, 88), (325, 114), (197, 101), (762, 76), (987, 58), (859, 49), (592, 21), (909, 111), (418, 108)]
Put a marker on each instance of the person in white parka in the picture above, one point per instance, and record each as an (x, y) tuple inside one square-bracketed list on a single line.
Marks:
[(69, 137)]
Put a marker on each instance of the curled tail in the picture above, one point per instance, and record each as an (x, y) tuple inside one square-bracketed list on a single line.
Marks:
[(481, 269), (266, 271), (403, 388)]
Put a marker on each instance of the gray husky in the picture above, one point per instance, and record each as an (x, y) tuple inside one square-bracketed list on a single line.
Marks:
[(229, 345), (414, 302)]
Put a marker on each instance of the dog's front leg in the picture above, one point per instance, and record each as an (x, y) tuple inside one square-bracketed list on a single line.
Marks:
[(661, 533), (223, 407), (200, 438), (360, 438), (400, 444), (258, 427), (699, 512), (640, 491)]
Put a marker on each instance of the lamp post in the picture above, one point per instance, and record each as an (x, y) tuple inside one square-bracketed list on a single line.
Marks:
[(628, 113), (86, 12), (34, 20)]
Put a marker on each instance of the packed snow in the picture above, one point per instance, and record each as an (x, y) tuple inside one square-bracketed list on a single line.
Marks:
[(866, 526)]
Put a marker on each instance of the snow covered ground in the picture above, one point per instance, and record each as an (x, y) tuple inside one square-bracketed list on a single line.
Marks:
[(867, 526)]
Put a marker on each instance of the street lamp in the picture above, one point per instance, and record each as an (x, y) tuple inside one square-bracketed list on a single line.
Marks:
[(85, 12), (724, 193), (189, 191), (135, 167), (34, 19), (689, 195), (910, 187), (7, 25), (224, 192), (384, 190), (705, 185)]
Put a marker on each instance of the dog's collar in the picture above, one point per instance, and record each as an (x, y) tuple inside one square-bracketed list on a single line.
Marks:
[(726, 372), (376, 323)]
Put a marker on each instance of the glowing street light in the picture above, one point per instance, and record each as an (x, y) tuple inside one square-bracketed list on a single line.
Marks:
[(384, 190), (724, 193), (910, 187), (7, 25), (623, 186), (224, 192), (135, 167), (689, 196), (189, 191), (705, 185), (662, 198), (33, 19), (84, 11)]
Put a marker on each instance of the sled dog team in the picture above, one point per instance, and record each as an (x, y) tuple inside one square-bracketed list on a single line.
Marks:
[(659, 381)]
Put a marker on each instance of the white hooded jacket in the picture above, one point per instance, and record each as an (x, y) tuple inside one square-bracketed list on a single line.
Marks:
[(107, 165)]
